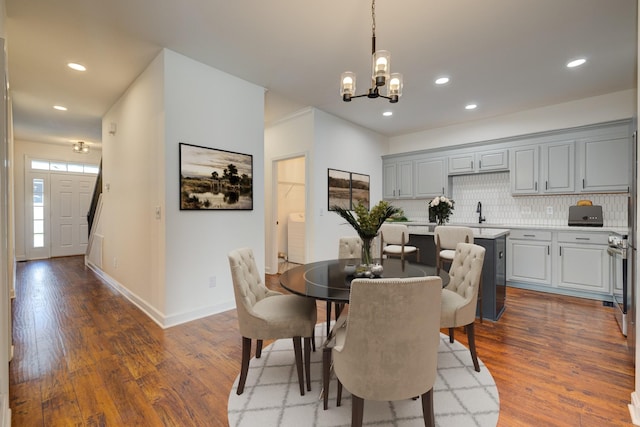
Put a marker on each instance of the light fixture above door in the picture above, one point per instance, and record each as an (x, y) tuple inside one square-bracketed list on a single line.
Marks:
[(80, 147), (380, 73)]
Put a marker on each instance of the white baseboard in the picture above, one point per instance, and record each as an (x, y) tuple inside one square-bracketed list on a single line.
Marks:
[(160, 319), (634, 409), (5, 411)]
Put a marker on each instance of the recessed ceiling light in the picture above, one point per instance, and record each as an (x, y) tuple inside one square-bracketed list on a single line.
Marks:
[(60, 107), (387, 113), (576, 62), (471, 106), (442, 80), (77, 67)]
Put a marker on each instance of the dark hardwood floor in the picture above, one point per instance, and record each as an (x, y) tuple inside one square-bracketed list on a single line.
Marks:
[(85, 356)]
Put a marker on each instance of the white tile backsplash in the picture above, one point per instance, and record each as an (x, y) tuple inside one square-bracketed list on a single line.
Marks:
[(501, 208)]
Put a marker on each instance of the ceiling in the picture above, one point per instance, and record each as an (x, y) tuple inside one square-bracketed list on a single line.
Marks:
[(504, 55)]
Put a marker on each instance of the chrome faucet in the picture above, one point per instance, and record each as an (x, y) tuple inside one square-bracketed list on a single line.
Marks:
[(481, 219)]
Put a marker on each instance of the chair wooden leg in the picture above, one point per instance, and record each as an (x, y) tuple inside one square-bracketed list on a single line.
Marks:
[(427, 409), (326, 371), (313, 340), (307, 361), (472, 345), (451, 335), (328, 312), (357, 408), (244, 367), (339, 394), (258, 349), (480, 299), (297, 348)]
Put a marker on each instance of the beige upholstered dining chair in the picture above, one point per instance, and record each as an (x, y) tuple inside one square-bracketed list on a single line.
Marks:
[(393, 241), (387, 349), (446, 238), (264, 314), (350, 247), (459, 297)]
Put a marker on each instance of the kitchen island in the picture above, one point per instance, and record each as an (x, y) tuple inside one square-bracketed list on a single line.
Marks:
[(494, 268)]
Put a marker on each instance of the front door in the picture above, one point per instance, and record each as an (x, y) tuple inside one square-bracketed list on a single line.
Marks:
[(70, 201)]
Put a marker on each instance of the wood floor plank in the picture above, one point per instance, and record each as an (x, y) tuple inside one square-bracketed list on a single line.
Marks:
[(85, 356)]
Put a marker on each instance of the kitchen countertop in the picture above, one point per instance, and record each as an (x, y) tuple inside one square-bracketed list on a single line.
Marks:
[(499, 229), (478, 233)]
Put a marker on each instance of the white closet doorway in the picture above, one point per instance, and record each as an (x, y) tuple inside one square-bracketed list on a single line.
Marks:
[(291, 224)]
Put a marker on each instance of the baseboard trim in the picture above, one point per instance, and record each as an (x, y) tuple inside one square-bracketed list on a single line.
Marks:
[(160, 319), (634, 409), (5, 411)]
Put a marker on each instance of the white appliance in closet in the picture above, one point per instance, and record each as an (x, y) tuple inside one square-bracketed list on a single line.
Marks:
[(296, 237)]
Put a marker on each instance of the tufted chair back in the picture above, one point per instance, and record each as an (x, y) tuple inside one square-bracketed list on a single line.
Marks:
[(350, 247), (460, 296), (248, 288), (465, 274)]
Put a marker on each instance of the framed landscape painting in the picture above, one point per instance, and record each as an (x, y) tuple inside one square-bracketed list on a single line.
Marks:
[(212, 179), (339, 189), (359, 190)]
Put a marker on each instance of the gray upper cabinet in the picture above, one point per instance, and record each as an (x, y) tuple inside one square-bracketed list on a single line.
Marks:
[(558, 167), (480, 161), (588, 159), (398, 179), (543, 169), (604, 164), (524, 169), (431, 177)]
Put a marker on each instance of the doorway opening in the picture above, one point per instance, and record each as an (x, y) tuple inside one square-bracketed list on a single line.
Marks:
[(290, 235)]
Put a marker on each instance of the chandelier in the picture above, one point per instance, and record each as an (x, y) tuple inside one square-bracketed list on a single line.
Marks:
[(80, 147), (380, 74)]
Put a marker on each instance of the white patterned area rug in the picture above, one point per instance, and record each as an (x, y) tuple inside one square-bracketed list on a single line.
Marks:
[(463, 397)]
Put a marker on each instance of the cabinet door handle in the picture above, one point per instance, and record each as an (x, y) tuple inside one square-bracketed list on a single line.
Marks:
[(548, 250), (560, 250), (583, 238), (479, 164), (546, 185), (442, 190), (536, 186), (471, 164), (529, 235), (399, 193), (583, 183)]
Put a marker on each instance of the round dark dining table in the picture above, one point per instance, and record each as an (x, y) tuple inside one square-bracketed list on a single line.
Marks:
[(330, 280)]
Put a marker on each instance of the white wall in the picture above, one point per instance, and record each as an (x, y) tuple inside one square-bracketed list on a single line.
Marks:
[(176, 267), (206, 107), (38, 150), (613, 106)]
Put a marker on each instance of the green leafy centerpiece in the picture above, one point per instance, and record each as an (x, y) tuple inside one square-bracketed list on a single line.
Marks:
[(367, 223)]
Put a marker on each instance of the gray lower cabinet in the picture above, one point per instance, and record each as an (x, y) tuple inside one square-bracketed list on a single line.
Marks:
[(493, 271)]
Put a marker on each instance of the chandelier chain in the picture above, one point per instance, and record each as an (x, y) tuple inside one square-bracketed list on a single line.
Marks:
[(373, 17)]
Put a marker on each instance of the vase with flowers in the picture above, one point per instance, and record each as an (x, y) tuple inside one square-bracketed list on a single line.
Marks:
[(440, 209), (367, 223)]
